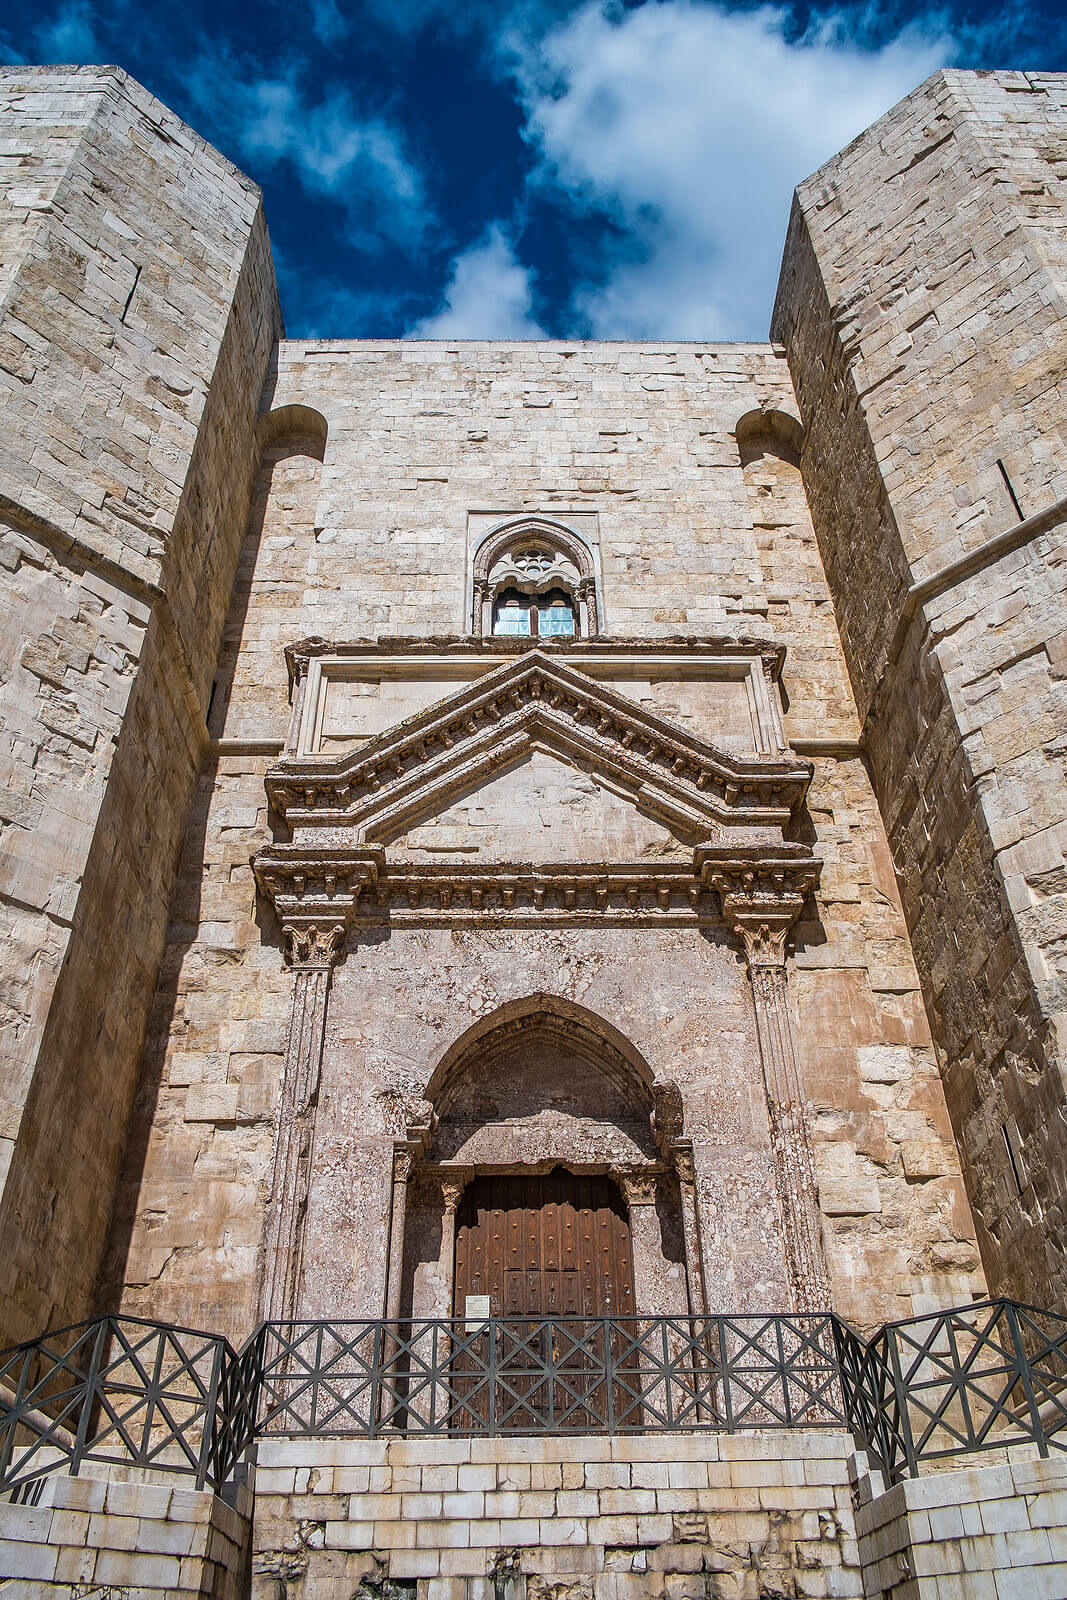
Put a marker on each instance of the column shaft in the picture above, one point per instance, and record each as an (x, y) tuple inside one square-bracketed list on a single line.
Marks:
[(790, 1138), (293, 1138)]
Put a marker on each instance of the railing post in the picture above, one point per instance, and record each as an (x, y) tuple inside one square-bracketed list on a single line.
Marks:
[(609, 1376), (1037, 1427), (208, 1435), (724, 1368), (91, 1380), (903, 1413), (491, 1331), (850, 1409), (7, 1444)]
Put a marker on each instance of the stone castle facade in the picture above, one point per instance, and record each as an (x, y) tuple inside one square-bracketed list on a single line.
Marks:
[(461, 793)]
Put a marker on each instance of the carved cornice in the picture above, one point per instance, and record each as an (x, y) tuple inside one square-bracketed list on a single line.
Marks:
[(687, 647), (491, 723), (312, 885), (758, 892), (762, 896)]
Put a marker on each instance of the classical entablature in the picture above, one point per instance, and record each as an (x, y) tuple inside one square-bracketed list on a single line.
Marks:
[(723, 817)]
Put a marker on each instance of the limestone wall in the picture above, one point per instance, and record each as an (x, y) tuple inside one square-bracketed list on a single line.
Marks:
[(467, 1519), (374, 541), (922, 305), (122, 1531), (134, 339), (991, 1527)]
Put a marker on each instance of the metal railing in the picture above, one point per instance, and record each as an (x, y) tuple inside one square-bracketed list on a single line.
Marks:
[(120, 1389), (124, 1390), (951, 1382), (552, 1375)]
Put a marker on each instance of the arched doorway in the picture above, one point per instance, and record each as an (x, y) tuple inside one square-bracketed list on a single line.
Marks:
[(554, 1244), (548, 1181)]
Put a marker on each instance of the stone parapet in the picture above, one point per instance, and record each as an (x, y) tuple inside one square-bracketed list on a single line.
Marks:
[(987, 1532)]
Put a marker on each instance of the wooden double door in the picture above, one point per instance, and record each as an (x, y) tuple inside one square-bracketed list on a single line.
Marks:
[(542, 1246)]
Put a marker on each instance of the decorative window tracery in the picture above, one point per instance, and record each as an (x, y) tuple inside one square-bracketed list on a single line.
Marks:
[(534, 579)]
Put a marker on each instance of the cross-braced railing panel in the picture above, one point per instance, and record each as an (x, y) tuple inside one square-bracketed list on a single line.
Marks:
[(956, 1381), (550, 1375), (121, 1390)]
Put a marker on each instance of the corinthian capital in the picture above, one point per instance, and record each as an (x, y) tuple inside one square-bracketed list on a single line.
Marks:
[(762, 895), (315, 945)]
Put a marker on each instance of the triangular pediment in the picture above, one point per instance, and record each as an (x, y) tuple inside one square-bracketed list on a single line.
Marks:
[(540, 809), (494, 725)]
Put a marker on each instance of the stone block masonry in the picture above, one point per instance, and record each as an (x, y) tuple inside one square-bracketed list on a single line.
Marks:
[(133, 348), (995, 1531), (582, 1518), (124, 1532), (923, 311), (691, 540)]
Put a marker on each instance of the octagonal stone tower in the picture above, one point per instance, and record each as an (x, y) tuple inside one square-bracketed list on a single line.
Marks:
[(137, 318), (923, 306)]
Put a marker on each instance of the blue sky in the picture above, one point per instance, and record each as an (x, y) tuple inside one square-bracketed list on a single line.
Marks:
[(528, 168)]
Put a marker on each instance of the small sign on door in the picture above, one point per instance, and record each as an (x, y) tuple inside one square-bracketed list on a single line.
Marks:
[(475, 1311)]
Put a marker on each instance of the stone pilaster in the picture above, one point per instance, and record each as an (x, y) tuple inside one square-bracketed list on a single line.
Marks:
[(761, 917), (682, 1156), (313, 952), (640, 1188), (404, 1153), (452, 1188)]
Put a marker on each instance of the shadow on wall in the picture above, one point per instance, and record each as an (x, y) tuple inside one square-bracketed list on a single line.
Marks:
[(290, 436)]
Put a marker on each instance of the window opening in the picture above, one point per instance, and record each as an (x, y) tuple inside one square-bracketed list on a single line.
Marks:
[(1011, 491), (512, 613), (1013, 1158), (536, 582), (546, 616)]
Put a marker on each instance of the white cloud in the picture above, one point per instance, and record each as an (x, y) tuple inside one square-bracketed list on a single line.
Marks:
[(69, 38), (328, 22), (335, 149), (488, 296), (691, 125)]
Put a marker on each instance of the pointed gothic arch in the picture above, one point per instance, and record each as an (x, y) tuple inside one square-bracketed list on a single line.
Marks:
[(539, 567), (537, 1103)]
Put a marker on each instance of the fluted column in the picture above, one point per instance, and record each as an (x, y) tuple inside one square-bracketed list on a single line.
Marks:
[(313, 953), (762, 922)]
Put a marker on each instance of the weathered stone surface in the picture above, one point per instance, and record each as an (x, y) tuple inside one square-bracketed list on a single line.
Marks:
[(153, 329), (422, 904), (350, 546), (922, 304), (100, 1533), (558, 1519)]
